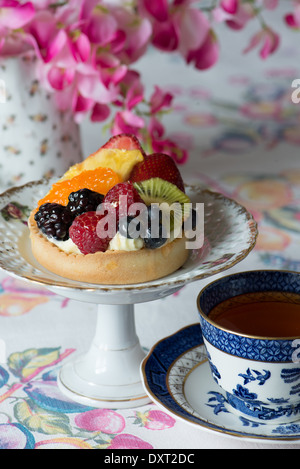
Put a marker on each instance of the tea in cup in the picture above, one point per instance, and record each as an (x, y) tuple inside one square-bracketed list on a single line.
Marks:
[(250, 323)]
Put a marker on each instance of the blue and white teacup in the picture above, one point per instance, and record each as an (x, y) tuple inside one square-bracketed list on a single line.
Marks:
[(260, 375)]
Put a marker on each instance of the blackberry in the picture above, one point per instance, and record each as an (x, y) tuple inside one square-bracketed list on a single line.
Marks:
[(84, 200), (54, 220)]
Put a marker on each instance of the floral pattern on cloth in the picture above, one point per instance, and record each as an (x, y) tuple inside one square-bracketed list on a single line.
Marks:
[(259, 113), (254, 127), (34, 413), (274, 202), (16, 298)]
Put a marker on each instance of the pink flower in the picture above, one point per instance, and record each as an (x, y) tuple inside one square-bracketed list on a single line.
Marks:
[(59, 78), (85, 49), (171, 148), (176, 26), (155, 128), (99, 24), (79, 45), (293, 19), (45, 37), (81, 106), (121, 31), (230, 6), (14, 44), (206, 55), (135, 33), (13, 15), (161, 144), (165, 36), (268, 39), (234, 13), (160, 100), (132, 90), (90, 85), (127, 122), (158, 9), (100, 112), (193, 27)]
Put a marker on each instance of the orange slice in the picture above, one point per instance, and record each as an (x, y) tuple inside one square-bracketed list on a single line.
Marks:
[(99, 180)]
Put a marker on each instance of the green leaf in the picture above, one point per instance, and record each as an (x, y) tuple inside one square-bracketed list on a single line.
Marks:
[(23, 364), (37, 419)]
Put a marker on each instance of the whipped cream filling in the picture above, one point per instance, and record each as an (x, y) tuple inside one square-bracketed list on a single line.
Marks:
[(121, 243), (69, 247), (118, 243)]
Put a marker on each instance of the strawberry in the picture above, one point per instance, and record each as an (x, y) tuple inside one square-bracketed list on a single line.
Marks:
[(85, 235), (122, 189), (124, 142), (157, 165)]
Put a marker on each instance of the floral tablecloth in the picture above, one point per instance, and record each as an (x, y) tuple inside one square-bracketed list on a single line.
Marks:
[(241, 128)]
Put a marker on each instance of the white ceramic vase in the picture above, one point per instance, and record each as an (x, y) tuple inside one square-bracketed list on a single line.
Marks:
[(36, 139)]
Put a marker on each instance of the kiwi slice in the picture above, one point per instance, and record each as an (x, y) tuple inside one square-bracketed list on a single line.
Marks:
[(174, 204)]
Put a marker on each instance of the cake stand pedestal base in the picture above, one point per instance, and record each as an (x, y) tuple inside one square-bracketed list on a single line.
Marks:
[(108, 375)]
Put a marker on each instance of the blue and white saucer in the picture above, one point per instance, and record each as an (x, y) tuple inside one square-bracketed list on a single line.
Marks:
[(177, 377)]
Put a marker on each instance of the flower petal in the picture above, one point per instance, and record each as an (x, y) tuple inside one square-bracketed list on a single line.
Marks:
[(127, 122), (165, 36), (15, 16), (101, 28), (159, 100), (207, 55), (230, 6), (193, 27), (100, 112), (59, 78), (56, 45), (91, 87), (80, 47), (158, 9)]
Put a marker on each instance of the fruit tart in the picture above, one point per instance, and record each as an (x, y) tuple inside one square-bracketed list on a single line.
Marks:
[(114, 218)]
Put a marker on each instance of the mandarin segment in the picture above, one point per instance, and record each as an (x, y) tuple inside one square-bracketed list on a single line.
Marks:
[(99, 180)]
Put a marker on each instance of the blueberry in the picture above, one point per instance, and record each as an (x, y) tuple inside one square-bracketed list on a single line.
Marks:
[(155, 235), (152, 242), (129, 227), (153, 232)]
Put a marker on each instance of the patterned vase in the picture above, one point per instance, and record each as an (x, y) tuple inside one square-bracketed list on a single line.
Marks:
[(36, 139)]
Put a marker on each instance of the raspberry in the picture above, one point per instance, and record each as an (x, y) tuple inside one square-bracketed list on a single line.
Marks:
[(84, 200), (122, 189), (54, 220), (85, 235)]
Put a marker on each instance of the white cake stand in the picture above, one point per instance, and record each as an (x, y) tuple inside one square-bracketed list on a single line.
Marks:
[(108, 375)]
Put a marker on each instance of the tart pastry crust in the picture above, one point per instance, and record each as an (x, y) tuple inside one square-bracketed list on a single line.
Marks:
[(110, 267)]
